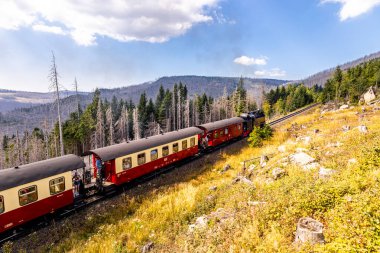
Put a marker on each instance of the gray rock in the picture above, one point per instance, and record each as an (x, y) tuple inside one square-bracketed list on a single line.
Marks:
[(251, 168), (334, 145), (325, 173), (281, 148), (213, 188), (226, 167), (310, 166), (305, 139), (343, 107), (352, 161), (346, 128), (278, 173), (256, 203), (263, 160), (200, 223), (309, 231), (363, 129), (147, 247), (301, 158), (242, 180)]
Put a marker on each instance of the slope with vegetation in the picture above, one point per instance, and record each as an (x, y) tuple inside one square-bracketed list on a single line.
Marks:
[(321, 78), (210, 207)]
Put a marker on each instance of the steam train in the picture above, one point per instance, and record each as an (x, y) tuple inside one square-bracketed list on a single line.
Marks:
[(37, 189)]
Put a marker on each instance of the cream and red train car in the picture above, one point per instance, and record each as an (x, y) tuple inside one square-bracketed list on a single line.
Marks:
[(36, 189), (222, 131), (129, 160)]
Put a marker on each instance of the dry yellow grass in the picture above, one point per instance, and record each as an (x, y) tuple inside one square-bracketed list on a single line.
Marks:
[(346, 203)]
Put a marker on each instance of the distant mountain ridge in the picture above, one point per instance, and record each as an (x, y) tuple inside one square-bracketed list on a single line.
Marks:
[(10, 99), (34, 115), (321, 78)]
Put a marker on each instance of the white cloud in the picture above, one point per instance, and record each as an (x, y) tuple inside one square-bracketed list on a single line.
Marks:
[(248, 61), (123, 20), (276, 72), (353, 8), (49, 29)]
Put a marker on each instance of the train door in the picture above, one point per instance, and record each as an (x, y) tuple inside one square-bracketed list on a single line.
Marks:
[(109, 171)]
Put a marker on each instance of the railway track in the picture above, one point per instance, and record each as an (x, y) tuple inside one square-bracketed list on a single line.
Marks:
[(274, 122), (112, 192)]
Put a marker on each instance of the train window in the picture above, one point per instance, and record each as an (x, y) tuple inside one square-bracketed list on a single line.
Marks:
[(28, 195), (221, 133), (165, 151), (175, 147), (184, 144), (141, 159), (226, 131), (57, 185), (154, 154), (216, 135), (127, 163), (2, 204), (192, 142)]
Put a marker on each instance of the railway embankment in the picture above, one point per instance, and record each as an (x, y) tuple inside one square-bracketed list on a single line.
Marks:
[(315, 188)]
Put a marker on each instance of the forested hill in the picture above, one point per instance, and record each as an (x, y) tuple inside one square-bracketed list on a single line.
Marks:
[(321, 78), (35, 116)]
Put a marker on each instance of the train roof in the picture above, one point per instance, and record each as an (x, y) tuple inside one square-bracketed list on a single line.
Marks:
[(221, 123), (123, 149), (32, 172)]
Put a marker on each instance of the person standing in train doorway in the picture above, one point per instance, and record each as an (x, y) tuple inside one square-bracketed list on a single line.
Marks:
[(99, 174)]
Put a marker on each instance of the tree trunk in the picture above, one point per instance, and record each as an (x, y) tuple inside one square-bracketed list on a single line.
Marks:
[(309, 231)]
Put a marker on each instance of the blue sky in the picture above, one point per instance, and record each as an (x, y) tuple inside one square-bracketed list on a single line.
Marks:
[(132, 41)]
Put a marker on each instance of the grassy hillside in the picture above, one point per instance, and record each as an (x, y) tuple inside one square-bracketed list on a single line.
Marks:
[(256, 213)]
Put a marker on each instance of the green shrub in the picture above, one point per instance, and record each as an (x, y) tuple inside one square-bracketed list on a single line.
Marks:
[(259, 134)]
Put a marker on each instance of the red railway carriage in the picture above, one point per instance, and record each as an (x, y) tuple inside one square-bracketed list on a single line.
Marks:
[(126, 161), (221, 131), (33, 190)]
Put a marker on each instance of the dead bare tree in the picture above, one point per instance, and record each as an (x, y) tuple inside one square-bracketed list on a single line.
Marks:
[(179, 110), (136, 124), (19, 149), (109, 118), (55, 85), (76, 95), (187, 113), (99, 132)]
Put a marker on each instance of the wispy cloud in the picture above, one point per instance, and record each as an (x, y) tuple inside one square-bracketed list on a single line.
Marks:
[(276, 72), (122, 20), (248, 61), (353, 8)]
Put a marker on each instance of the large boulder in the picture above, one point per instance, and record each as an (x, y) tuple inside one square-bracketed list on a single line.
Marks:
[(309, 231)]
